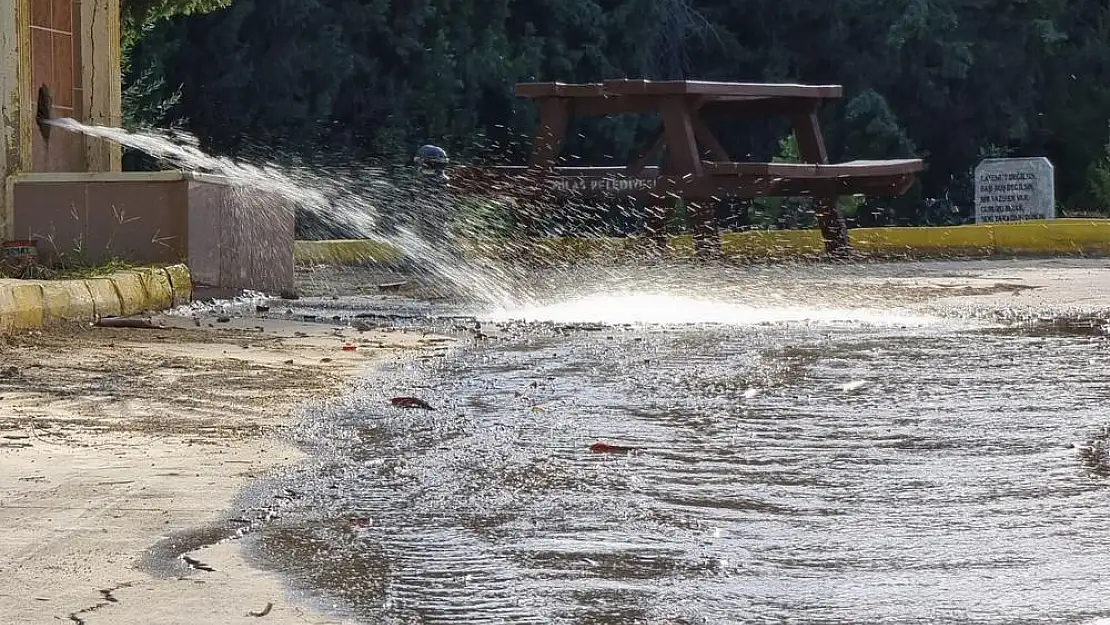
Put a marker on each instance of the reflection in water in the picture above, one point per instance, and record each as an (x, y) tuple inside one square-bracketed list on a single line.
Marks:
[(793, 465)]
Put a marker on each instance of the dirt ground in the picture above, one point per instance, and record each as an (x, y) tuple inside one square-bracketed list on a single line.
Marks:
[(112, 439)]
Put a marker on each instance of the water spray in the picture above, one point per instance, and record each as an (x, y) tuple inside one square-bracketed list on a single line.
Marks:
[(341, 199)]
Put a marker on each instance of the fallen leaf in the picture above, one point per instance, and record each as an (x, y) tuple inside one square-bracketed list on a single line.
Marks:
[(606, 448), (410, 402)]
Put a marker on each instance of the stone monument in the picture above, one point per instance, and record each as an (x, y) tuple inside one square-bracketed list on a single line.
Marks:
[(1014, 189)]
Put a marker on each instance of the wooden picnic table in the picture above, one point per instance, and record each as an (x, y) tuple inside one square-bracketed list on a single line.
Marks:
[(696, 167)]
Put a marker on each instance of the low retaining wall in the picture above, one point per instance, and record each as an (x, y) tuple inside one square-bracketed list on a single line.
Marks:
[(231, 237), (35, 304), (1055, 237)]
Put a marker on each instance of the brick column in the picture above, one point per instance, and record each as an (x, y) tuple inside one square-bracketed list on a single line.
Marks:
[(100, 78), (17, 108)]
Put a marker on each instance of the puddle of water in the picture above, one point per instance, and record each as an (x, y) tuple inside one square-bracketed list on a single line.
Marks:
[(787, 462)]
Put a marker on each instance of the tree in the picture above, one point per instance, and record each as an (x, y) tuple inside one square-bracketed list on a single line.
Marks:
[(138, 16), (372, 79), (146, 100)]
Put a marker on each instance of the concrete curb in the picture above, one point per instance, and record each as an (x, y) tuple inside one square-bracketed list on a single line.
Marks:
[(1055, 237), (36, 304), (344, 252)]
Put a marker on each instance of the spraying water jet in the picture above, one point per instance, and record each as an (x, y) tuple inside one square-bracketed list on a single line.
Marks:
[(344, 198)]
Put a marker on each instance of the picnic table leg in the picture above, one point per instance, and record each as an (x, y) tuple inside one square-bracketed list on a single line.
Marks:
[(552, 132), (811, 145), (706, 226), (703, 226), (660, 211), (680, 128), (527, 213), (834, 230), (550, 138)]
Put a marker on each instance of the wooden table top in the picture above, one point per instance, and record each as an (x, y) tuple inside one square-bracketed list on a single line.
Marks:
[(639, 87)]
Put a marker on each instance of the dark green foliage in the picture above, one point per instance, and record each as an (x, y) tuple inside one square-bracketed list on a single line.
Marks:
[(138, 16), (370, 80)]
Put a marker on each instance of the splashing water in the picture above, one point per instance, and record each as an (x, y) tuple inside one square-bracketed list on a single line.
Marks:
[(338, 198), (349, 199), (305, 189), (665, 308)]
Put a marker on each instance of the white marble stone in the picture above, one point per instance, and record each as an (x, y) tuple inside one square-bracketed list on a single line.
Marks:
[(1014, 189)]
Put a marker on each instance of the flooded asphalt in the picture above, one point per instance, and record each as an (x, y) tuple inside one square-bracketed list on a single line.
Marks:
[(733, 445)]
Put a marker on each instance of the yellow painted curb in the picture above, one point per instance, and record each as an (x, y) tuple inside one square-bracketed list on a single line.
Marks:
[(181, 284), (28, 305), (21, 306), (67, 299), (910, 241), (1065, 236), (570, 249), (132, 293), (771, 244), (344, 252), (105, 297), (156, 288), (1053, 237)]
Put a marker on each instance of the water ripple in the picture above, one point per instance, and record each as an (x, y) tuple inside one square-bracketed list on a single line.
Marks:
[(779, 473)]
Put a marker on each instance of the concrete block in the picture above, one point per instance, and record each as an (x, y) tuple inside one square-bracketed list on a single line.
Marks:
[(106, 302), (67, 300), (181, 284), (21, 306), (133, 295)]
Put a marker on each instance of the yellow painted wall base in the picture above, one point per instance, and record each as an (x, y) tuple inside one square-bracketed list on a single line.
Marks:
[(66, 299), (21, 307), (106, 302), (34, 304), (1055, 237), (344, 252)]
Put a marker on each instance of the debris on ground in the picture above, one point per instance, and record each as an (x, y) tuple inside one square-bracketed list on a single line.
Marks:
[(606, 448), (410, 402)]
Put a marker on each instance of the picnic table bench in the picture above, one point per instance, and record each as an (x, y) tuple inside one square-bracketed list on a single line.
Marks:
[(696, 168)]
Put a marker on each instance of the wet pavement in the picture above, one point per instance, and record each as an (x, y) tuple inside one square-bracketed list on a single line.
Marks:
[(902, 443)]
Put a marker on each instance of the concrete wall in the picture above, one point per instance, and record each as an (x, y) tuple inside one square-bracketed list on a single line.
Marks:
[(92, 218), (65, 190), (70, 48), (55, 66), (17, 113), (239, 237), (101, 82), (231, 238)]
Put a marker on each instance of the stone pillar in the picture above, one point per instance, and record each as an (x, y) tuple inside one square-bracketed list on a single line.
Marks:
[(100, 78), (17, 113)]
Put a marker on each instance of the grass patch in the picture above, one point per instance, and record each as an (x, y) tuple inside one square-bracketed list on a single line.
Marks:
[(84, 271), (70, 271)]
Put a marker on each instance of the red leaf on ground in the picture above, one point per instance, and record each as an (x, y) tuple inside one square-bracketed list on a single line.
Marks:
[(350, 348), (606, 448), (410, 402)]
